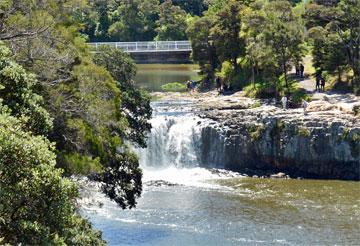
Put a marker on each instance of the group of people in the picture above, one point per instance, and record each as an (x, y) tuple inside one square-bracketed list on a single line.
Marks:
[(299, 70), (320, 82), (191, 85)]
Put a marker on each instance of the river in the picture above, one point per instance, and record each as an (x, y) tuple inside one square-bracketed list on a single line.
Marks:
[(184, 203), (152, 76)]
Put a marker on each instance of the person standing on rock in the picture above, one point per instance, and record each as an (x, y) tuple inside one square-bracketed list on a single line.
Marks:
[(318, 78), (193, 85), (188, 85), (297, 69), (284, 102), (302, 69), (322, 83), (218, 84), (304, 105)]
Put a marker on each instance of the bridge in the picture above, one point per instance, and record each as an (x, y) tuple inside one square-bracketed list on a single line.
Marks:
[(153, 51)]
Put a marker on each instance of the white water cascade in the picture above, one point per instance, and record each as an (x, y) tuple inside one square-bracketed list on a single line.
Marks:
[(173, 142), (175, 145), (175, 137)]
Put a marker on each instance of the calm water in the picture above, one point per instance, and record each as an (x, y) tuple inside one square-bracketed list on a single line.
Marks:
[(183, 204), (152, 76)]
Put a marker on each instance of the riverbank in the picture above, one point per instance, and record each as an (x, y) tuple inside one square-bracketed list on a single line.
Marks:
[(248, 134)]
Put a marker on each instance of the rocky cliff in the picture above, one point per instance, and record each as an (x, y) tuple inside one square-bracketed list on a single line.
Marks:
[(324, 143)]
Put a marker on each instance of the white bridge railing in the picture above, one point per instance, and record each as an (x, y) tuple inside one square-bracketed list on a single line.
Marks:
[(152, 46)]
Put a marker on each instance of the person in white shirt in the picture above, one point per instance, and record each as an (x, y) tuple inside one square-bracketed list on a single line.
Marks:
[(284, 102), (304, 105)]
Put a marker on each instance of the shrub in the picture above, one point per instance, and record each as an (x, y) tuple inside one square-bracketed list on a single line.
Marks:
[(261, 90), (174, 87), (37, 204), (297, 96)]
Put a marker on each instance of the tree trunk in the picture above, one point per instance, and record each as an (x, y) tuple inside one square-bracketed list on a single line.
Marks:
[(339, 74), (286, 79)]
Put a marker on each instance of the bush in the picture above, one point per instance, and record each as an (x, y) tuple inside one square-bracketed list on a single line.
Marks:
[(297, 96), (261, 90), (37, 204), (236, 79), (174, 87)]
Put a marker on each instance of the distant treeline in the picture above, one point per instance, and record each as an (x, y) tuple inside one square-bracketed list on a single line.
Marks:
[(260, 39)]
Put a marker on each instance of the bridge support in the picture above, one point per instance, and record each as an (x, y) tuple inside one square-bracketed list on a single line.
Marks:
[(162, 57)]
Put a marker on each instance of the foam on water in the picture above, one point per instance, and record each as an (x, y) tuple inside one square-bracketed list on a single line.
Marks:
[(196, 176)]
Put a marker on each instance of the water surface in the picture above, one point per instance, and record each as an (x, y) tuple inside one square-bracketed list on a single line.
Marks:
[(236, 211), (152, 76)]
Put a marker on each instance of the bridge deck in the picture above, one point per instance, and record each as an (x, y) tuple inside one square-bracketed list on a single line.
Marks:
[(152, 46)]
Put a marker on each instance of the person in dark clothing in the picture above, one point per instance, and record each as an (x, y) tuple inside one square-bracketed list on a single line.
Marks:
[(218, 83), (188, 85), (318, 78), (322, 83), (193, 85), (297, 70), (302, 68)]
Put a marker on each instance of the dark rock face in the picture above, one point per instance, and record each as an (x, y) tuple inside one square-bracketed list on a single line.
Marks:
[(317, 145)]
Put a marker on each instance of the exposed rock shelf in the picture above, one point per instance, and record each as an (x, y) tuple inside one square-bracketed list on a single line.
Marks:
[(321, 144), (249, 135)]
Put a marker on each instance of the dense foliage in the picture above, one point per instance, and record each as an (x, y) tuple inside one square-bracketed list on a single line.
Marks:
[(37, 205), (52, 88), (139, 20), (264, 40), (334, 33), (135, 103)]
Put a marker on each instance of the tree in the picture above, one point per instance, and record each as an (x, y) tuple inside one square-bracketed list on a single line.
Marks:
[(134, 20), (37, 204), (172, 22), (193, 7), (82, 97), (258, 54), (16, 92), (135, 103), (226, 33), (284, 34), (340, 20), (348, 29), (203, 48), (93, 125)]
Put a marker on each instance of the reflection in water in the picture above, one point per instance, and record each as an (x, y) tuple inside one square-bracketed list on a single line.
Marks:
[(152, 76)]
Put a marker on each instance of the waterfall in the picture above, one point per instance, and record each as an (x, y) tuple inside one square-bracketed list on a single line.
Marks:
[(182, 148), (174, 141)]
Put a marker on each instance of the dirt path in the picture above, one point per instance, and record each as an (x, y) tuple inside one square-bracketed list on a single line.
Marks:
[(308, 84)]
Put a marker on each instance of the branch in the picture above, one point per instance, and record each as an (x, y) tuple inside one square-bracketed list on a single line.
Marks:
[(24, 34)]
